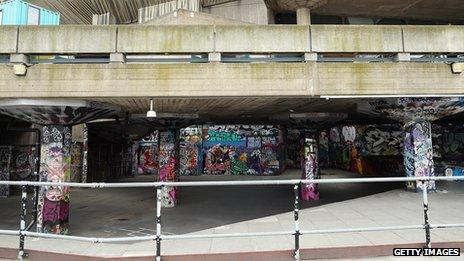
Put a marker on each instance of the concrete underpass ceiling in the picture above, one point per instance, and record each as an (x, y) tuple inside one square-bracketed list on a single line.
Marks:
[(234, 110)]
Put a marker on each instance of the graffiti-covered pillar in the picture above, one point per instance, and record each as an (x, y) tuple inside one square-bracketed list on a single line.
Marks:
[(55, 166), (310, 191), (85, 153), (168, 165), (418, 153)]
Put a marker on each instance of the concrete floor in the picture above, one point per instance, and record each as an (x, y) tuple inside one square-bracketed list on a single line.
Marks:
[(130, 212)]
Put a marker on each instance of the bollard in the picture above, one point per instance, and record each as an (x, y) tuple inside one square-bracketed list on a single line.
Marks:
[(158, 223), (22, 223), (296, 191), (425, 201)]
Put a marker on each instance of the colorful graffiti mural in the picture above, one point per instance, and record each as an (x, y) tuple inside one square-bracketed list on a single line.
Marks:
[(368, 149), (85, 153), (414, 109), (55, 166), (147, 153), (418, 153), (168, 160), (241, 150), (310, 191), (22, 162), (190, 146)]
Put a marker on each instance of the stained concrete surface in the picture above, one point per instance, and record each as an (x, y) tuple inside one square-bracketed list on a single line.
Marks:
[(130, 212)]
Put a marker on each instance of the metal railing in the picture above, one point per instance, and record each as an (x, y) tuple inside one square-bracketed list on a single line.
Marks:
[(296, 232)]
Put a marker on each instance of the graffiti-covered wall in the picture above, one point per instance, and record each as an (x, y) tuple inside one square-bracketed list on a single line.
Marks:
[(147, 153), (190, 146), (168, 160), (5, 159), (242, 150), (367, 149)]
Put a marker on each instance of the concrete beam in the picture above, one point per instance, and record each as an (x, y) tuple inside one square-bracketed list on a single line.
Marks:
[(402, 78), (165, 39), (268, 38), (144, 39), (230, 80), (440, 39), (359, 38), (157, 80), (8, 36), (67, 39)]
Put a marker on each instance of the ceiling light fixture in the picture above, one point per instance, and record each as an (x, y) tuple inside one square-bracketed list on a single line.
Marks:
[(151, 113)]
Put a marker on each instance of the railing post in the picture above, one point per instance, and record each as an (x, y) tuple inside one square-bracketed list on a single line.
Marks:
[(22, 223), (158, 223), (296, 191), (425, 201)]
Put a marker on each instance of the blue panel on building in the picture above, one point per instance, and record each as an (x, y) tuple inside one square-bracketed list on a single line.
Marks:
[(18, 12)]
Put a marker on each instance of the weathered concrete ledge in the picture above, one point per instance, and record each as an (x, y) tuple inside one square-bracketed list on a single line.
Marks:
[(231, 39), (165, 39), (230, 80), (8, 36), (367, 39), (66, 39)]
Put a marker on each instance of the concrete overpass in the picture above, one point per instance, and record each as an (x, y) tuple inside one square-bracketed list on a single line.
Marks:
[(56, 75), (315, 61)]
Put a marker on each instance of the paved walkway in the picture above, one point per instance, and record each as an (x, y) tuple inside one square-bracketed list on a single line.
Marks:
[(130, 212)]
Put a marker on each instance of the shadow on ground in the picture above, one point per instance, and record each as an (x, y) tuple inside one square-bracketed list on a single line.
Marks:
[(131, 211)]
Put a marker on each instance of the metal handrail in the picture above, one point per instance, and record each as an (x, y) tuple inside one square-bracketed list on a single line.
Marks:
[(228, 183), (158, 237)]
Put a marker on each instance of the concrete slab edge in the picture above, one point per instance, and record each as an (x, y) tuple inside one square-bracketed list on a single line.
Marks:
[(280, 255)]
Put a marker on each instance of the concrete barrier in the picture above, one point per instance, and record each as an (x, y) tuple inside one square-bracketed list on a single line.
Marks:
[(356, 38), (8, 36), (440, 39), (267, 38), (165, 39), (231, 39), (67, 39)]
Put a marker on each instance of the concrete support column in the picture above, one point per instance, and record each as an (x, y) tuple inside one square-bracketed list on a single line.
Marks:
[(310, 170), (418, 153), (79, 153), (303, 16), (55, 166), (168, 165)]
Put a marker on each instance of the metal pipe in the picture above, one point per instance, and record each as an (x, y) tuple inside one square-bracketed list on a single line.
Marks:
[(229, 183), (125, 239), (425, 201), (56, 236), (158, 224), (364, 229), (22, 223), (9, 232), (257, 234), (296, 210), (439, 226)]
